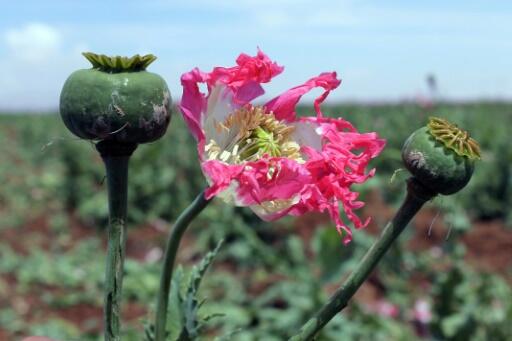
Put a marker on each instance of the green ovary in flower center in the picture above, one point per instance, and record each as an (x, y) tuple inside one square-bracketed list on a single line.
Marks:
[(250, 133), (261, 142)]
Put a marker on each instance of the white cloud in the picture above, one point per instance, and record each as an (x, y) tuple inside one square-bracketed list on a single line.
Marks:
[(34, 42), (39, 62)]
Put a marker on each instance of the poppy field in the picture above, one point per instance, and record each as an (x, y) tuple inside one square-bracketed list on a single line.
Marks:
[(448, 277)]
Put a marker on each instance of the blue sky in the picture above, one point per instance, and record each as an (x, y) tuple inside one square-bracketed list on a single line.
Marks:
[(381, 52)]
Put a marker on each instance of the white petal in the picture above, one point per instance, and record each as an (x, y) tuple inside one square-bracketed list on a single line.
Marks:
[(269, 209), (229, 195), (218, 108), (307, 134)]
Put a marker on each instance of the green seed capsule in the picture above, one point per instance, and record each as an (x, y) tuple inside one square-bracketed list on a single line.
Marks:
[(116, 100), (441, 156)]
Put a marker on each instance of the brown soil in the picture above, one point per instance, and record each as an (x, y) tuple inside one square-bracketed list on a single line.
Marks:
[(489, 247)]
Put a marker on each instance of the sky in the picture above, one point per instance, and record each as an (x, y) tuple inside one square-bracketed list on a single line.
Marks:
[(381, 52)]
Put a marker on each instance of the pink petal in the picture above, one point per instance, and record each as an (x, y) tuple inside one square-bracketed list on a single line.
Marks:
[(247, 92), (253, 183), (283, 106), (341, 163), (287, 180), (193, 102), (220, 176), (245, 78)]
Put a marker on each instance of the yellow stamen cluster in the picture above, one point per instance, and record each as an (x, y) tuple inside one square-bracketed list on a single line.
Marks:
[(251, 132), (454, 138)]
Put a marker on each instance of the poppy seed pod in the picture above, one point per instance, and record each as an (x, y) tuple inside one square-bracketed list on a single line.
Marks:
[(116, 100), (121, 105), (441, 156)]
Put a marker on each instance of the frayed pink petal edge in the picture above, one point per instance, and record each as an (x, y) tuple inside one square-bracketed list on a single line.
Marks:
[(283, 106)]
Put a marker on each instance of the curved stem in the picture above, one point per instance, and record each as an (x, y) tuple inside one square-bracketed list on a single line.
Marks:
[(417, 195), (171, 250)]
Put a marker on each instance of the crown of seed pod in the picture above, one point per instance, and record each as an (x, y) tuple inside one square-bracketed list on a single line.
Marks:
[(117, 99), (441, 156)]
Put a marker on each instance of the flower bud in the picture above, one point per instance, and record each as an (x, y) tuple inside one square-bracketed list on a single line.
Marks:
[(441, 156), (116, 100)]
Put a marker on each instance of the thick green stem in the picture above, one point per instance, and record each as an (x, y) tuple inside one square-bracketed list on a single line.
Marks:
[(171, 250), (417, 195), (116, 158)]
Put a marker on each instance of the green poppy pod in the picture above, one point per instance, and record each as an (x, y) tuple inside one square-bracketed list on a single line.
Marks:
[(116, 100), (441, 156)]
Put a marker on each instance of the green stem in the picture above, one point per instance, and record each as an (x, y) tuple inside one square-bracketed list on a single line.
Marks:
[(417, 195), (116, 158), (171, 250)]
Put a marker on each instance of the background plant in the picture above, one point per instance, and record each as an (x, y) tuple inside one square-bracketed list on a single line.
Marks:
[(263, 270)]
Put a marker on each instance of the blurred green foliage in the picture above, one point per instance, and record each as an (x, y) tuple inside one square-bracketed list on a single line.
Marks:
[(44, 164), (266, 280)]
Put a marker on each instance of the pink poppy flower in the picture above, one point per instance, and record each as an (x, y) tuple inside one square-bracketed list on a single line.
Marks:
[(267, 158)]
